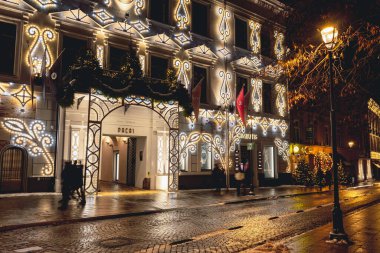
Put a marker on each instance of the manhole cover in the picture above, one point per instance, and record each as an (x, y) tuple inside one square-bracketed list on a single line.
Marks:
[(116, 242)]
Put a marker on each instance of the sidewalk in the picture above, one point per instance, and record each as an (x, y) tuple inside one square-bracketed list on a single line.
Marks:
[(362, 228), (42, 209)]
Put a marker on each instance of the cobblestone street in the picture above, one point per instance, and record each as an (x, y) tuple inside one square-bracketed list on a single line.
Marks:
[(225, 228)]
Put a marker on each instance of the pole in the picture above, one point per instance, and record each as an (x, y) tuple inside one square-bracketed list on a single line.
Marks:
[(338, 230), (251, 186), (227, 151)]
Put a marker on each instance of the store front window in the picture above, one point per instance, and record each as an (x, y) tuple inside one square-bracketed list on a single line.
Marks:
[(269, 162)]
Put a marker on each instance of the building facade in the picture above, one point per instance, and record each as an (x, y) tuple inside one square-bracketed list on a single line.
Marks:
[(357, 144), (133, 140)]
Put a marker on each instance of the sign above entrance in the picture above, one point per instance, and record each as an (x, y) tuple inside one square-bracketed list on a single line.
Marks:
[(250, 146), (125, 130)]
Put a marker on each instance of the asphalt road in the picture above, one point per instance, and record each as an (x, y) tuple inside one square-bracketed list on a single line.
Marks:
[(225, 228)]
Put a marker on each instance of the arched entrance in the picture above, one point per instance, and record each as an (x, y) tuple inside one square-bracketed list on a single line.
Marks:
[(101, 106), (13, 165)]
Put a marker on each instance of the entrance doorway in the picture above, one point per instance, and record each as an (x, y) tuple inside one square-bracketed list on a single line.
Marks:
[(12, 170), (246, 157)]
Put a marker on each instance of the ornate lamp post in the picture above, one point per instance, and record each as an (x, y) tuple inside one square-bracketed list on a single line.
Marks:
[(329, 36)]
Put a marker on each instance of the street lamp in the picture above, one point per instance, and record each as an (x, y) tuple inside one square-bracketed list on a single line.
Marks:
[(330, 36)]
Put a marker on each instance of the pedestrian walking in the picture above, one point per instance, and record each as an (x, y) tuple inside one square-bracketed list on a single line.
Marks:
[(218, 176), (66, 189)]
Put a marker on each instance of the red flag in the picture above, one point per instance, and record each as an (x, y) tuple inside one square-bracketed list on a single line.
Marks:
[(240, 105), (55, 72), (247, 101), (196, 98)]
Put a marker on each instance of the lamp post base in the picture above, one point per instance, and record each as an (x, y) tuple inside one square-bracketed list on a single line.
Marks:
[(338, 236)]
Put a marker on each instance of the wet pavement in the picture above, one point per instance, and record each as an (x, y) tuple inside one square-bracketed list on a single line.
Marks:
[(42, 209), (220, 228), (362, 228)]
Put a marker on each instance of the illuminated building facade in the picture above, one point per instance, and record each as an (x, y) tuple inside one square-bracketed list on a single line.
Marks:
[(230, 44)]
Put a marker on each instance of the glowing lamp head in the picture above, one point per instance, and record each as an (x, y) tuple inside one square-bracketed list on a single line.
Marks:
[(330, 37), (351, 144), (296, 149)]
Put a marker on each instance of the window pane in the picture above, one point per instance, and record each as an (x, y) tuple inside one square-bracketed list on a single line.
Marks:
[(241, 33), (158, 67), (265, 43), (117, 56), (269, 162), (73, 48), (7, 48), (200, 73), (159, 10), (199, 21), (267, 89), (206, 157)]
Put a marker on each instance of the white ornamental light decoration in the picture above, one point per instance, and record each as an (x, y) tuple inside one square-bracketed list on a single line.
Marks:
[(280, 100), (279, 48), (182, 14), (255, 39), (283, 151), (139, 6), (33, 138), (257, 86), (225, 90), (224, 28), (183, 68), (39, 47)]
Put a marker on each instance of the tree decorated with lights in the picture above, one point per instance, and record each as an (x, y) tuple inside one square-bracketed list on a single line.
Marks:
[(302, 174), (343, 176)]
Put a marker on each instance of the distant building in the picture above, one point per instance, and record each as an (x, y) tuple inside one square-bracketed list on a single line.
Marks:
[(132, 140), (358, 145)]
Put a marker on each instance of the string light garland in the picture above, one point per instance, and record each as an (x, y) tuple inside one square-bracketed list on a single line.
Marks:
[(279, 48), (182, 73), (256, 99), (225, 90), (255, 39), (280, 99)]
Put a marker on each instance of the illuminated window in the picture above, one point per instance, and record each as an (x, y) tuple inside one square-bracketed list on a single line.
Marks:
[(269, 162), (266, 48), (199, 18), (267, 97), (198, 74), (241, 82), (241, 33), (117, 57), (159, 10), (73, 48), (7, 48), (158, 67)]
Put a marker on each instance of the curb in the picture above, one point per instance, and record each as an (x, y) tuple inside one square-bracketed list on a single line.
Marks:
[(148, 212)]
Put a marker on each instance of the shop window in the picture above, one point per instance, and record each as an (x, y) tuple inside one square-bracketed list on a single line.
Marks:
[(73, 48), (117, 57), (269, 162), (310, 134), (240, 83), (158, 67), (159, 10), (199, 18), (326, 134), (267, 97), (198, 74), (7, 48), (266, 47), (241, 33), (206, 157)]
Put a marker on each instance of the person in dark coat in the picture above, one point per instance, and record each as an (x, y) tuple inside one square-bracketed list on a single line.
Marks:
[(66, 188), (218, 176)]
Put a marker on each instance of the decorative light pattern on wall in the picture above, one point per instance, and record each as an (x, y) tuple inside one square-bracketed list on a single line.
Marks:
[(374, 107), (74, 144), (182, 73), (38, 47), (283, 151), (23, 95), (103, 16), (100, 54), (182, 14), (225, 90), (279, 48), (45, 4), (140, 26), (255, 40), (273, 71), (280, 99), (224, 28), (139, 6), (33, 138), (182, 38), (256, 98)]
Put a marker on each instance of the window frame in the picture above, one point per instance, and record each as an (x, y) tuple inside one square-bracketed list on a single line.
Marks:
[(157, 56), (208, 6), (275, 160), (73, 35), (207, 68), (266, 84), (17, 62), (266, 30), (108, 52), (246, 31), (169, 23)]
